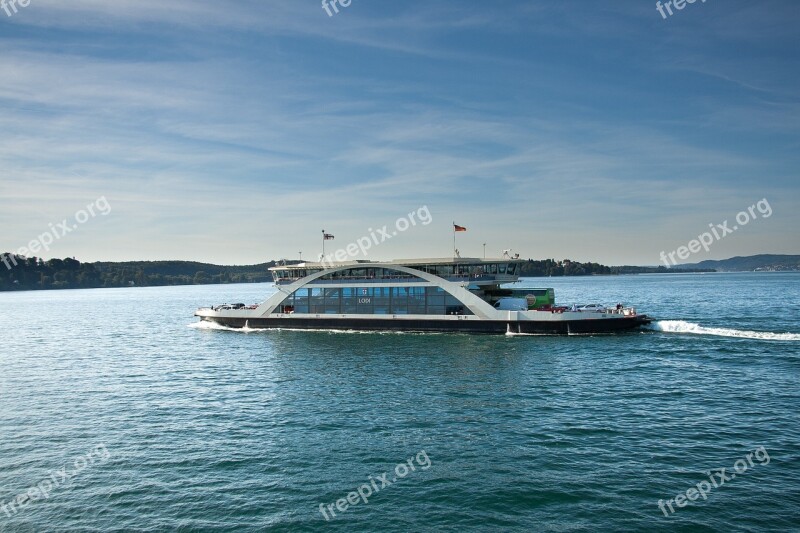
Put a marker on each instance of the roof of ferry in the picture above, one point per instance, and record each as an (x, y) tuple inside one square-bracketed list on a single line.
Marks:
[(402, 262)]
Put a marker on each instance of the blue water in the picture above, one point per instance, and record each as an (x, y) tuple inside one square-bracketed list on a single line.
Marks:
[(162, 426)]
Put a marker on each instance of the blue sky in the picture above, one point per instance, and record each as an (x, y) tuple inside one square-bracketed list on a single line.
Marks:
[(233, 132)]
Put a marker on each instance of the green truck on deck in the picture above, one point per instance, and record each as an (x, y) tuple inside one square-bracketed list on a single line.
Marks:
[(537, 298)]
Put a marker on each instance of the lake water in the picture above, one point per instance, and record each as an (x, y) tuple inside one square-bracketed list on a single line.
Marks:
[(116, 414)]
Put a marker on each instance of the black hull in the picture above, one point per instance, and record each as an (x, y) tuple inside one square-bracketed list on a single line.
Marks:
[(496, 327)]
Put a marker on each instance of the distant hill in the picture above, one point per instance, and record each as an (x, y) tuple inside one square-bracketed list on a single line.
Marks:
[(31, 273), (763, 262), (257, 273)]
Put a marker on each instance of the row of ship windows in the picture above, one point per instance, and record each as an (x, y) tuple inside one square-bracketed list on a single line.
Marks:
[(376, 272), (373, 301), (468, 270)]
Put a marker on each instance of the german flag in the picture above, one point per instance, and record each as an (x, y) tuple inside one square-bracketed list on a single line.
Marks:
[(456, 227)]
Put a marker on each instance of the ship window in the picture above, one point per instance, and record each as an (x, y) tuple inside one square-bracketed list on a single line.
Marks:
[(512, 268), (365, 301), (399, 299), (435, 300), (493, 268), (332, 301), (317, 301), (349, 300), (382, 300), (453, 306), (416, 300), (502, 268), (301, 301)]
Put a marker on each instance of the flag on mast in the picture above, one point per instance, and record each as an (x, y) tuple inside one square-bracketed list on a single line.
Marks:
[(325, 237), (456, 229)]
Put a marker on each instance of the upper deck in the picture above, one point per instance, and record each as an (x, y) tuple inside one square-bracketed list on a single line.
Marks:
[(460, 269)]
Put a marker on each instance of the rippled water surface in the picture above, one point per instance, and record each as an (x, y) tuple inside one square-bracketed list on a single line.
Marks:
[(161, 426)]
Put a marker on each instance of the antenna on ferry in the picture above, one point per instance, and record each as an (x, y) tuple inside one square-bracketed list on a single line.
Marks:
[(507, 254)]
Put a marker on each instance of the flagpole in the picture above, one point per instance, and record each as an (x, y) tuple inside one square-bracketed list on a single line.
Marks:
[(323, 245), (454, 239)]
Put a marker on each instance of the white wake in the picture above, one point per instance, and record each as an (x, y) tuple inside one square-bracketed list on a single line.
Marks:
[(681, 326), (206, 324)]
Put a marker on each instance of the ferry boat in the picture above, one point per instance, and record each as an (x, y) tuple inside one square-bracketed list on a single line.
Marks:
[(421, 295)]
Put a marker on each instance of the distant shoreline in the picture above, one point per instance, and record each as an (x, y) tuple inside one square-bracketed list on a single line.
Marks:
[(20, 273)]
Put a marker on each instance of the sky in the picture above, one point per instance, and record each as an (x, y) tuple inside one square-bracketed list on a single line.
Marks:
[(235, 131)]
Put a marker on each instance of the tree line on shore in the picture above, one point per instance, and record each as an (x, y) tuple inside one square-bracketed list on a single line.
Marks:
[(550, 267), (32, 273)]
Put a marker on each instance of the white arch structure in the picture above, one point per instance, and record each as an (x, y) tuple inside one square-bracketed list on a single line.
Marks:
[(478, 306)]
